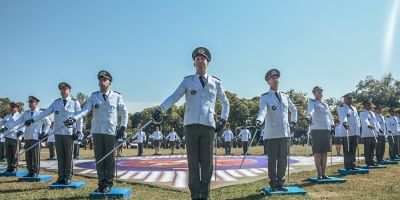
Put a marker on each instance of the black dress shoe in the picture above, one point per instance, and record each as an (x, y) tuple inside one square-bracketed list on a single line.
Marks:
[(282, 188), (67, 182), (59, 182), (11, 170), (273, 188), (34, 175), (325, 177), (106, 189), (99, 189), (28, 175), (353, 168)]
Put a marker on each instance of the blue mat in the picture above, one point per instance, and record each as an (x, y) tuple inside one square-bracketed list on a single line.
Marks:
[(3, 160), (16, 174), (51, 159), (73, 185), (120, 193), (390, 162), (372, 167), (330, 180), (3, 169), (292, 190), (40, 178), (353, 172)]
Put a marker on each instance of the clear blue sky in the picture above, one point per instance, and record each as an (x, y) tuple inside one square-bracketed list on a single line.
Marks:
[(147, 45)]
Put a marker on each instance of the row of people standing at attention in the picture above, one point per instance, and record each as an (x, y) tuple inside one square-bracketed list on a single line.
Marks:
[(201, 92), (157, 138)]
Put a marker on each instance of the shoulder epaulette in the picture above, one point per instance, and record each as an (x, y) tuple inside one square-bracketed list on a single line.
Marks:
[(188, 76), (95, 92), (216, 78), (341, 105), (57, 99), (117, 92), (264, 94), (313, 100)]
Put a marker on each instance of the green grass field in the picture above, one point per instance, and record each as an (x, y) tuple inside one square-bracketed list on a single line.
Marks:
[(379, 184)]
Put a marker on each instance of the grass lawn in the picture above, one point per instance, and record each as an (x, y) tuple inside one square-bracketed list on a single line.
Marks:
[(379, 184)]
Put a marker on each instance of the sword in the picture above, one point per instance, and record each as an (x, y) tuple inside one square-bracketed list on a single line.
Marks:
[(40, 141), (308, 140), (115, 148)]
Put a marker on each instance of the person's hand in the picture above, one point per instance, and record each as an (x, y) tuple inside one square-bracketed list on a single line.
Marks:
[(346, 125), (220, 125), (42, 135), (120, 132), (19, 133), (157, 114), (75, 135), (70, 121), (28, 122), (309, 121), (258, 124)]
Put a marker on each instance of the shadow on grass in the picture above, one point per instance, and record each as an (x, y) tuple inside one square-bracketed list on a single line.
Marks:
[(20, 190), (251, 197), (75, 197)]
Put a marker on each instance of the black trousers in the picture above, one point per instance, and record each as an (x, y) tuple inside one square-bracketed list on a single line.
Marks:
[(369, 148), (103, 144), (140, 149), (278, 149), (228, 146), (32, 156), (199, 145), (245, 147), (12, 149), (350, 154), (380, 148)]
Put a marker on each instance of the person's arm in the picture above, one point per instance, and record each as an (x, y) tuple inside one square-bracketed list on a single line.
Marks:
[(263, 109), (293, 111), (124, 112), (224, 101), (171, 100), (310, 109)]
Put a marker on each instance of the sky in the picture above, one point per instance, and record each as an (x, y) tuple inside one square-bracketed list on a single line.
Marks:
[(147, 45)]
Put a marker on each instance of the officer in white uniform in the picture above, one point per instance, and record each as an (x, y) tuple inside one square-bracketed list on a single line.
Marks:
[(140, 136), (157, 137), (246, 136), (382, 135), (172, 137), (337, 138), (11, 136), (106, 104), (63, 108), (274, 110), (32, 135), (393, 132), (201, 91), (350, 123), (370, 128), (51, 143), (397, 137), (228, 136)]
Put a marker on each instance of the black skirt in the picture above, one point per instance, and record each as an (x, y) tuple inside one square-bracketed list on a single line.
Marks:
[(321, 141)]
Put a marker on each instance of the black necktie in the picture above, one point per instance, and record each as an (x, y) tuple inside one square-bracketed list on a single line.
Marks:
[(277, 96), (105, 97), (201, 80), (31, 113), (64, 101)]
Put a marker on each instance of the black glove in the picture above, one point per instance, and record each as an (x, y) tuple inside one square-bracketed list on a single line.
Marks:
[(220, 125), (120, 132), (75, 135), (293, 124), (309, 121), (3, 130), (381, 131), (157, 114), (389, 131), (28, 122), (19, 133), (42, 135), (346, 125), (371, 127), (258, 124), (70, 121)]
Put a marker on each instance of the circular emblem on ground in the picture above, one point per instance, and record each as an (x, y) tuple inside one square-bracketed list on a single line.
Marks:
[(169, 163)]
